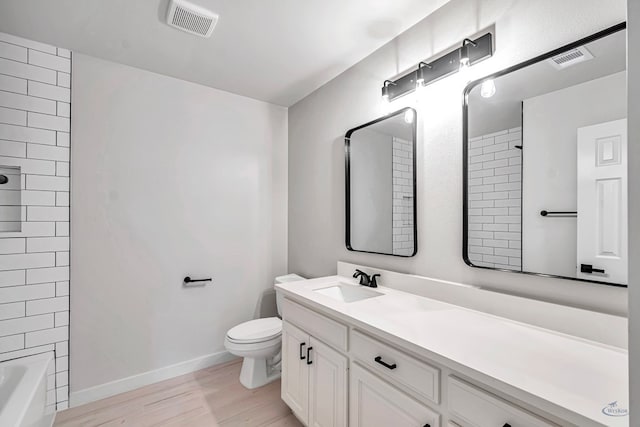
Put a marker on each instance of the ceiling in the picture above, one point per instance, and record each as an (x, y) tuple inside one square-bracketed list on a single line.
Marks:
[(277, 51)]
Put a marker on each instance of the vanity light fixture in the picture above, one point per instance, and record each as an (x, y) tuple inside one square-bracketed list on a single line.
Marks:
[(420, 73), (385, 90), (464, 52), (429, 71)]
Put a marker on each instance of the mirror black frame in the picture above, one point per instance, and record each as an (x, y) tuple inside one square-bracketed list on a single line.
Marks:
[(347, 152), (465, 148)]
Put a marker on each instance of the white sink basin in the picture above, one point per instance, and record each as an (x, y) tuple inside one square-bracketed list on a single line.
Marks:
[(347, 293)]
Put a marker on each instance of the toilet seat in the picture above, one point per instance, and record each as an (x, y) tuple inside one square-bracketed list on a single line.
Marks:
[(256, 331)]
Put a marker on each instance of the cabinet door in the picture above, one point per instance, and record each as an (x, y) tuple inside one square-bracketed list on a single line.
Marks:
[(295, 371), (327, 386), (375, 403)]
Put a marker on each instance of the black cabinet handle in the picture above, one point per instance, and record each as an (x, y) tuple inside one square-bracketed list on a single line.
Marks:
[(588, 268), (383, 363), (427, 425), (506, 425), (302, 356), (309, 362)]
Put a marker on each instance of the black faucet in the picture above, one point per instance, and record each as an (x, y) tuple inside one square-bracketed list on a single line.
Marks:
[(374, 283), (365, 279)]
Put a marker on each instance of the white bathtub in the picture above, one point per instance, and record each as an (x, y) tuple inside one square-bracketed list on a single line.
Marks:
[(23, 389)]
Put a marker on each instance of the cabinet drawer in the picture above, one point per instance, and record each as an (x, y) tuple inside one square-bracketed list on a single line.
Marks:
[(478, 408), (375, 403), (321, 327), (417, 376)]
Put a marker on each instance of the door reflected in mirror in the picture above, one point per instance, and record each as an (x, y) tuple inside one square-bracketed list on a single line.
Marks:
[(545, 164), (381, 185)]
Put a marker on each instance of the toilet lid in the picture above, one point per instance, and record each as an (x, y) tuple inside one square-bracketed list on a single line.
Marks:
[(256, 330)]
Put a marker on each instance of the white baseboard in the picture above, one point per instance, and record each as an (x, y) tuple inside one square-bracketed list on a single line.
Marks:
[(101, 391)]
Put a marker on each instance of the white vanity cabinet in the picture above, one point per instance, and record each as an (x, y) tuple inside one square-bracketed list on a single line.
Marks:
[(314, 378), (369, 364), (334, 375)]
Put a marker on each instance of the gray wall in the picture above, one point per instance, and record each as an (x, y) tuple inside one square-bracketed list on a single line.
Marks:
[(317, 124), (170, 179), (634, 207)]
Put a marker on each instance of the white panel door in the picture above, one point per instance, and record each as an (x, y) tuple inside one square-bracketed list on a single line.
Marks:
[(327, 386), (602, 202), (375, 403), (295, 371)]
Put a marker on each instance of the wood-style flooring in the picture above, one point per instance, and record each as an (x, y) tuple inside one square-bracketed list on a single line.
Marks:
[(206, 398)]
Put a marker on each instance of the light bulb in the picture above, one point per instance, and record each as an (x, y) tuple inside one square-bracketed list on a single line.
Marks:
[(409, 116), (385, 92), (464, 55), (488, 88), (464, 74)]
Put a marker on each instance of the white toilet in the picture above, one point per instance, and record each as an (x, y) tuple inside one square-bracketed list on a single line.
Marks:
[(259, 341)]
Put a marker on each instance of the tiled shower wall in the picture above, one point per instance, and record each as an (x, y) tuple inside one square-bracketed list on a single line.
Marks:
[(403, 227), (35, 96), (495, 199)]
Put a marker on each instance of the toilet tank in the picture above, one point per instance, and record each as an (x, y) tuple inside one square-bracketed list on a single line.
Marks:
[(284, 279)]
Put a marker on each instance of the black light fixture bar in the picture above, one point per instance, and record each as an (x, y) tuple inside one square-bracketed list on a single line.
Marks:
[(434, 70)]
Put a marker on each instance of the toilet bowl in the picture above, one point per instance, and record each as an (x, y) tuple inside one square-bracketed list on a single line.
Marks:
[(259, 342)]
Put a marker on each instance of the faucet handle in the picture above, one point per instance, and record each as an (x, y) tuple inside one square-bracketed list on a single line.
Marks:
[(364, 277), (373, 283)]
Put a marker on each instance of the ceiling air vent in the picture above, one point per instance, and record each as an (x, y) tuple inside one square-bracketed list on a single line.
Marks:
[(191, 18), (571, 57)]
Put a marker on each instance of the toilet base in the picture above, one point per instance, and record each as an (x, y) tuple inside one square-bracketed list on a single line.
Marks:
[(257, 372)]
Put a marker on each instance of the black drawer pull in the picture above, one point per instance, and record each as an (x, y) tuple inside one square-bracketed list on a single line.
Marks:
[(302, 356), (309, 361), (506, 425), (427, 425), (386, 365), (588, 268)]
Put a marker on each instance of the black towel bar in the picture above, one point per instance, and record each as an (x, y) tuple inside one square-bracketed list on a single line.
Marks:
[(188, 280), (558, 214)]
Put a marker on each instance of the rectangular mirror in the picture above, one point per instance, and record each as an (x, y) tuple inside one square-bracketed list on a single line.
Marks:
[(381, 185), (545, 164)]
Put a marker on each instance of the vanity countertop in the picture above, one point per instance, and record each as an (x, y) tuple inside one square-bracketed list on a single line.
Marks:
[(554, 371)]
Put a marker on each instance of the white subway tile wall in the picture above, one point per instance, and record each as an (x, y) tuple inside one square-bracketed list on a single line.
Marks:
[(403, 221), (35, 110), (495, 200)]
